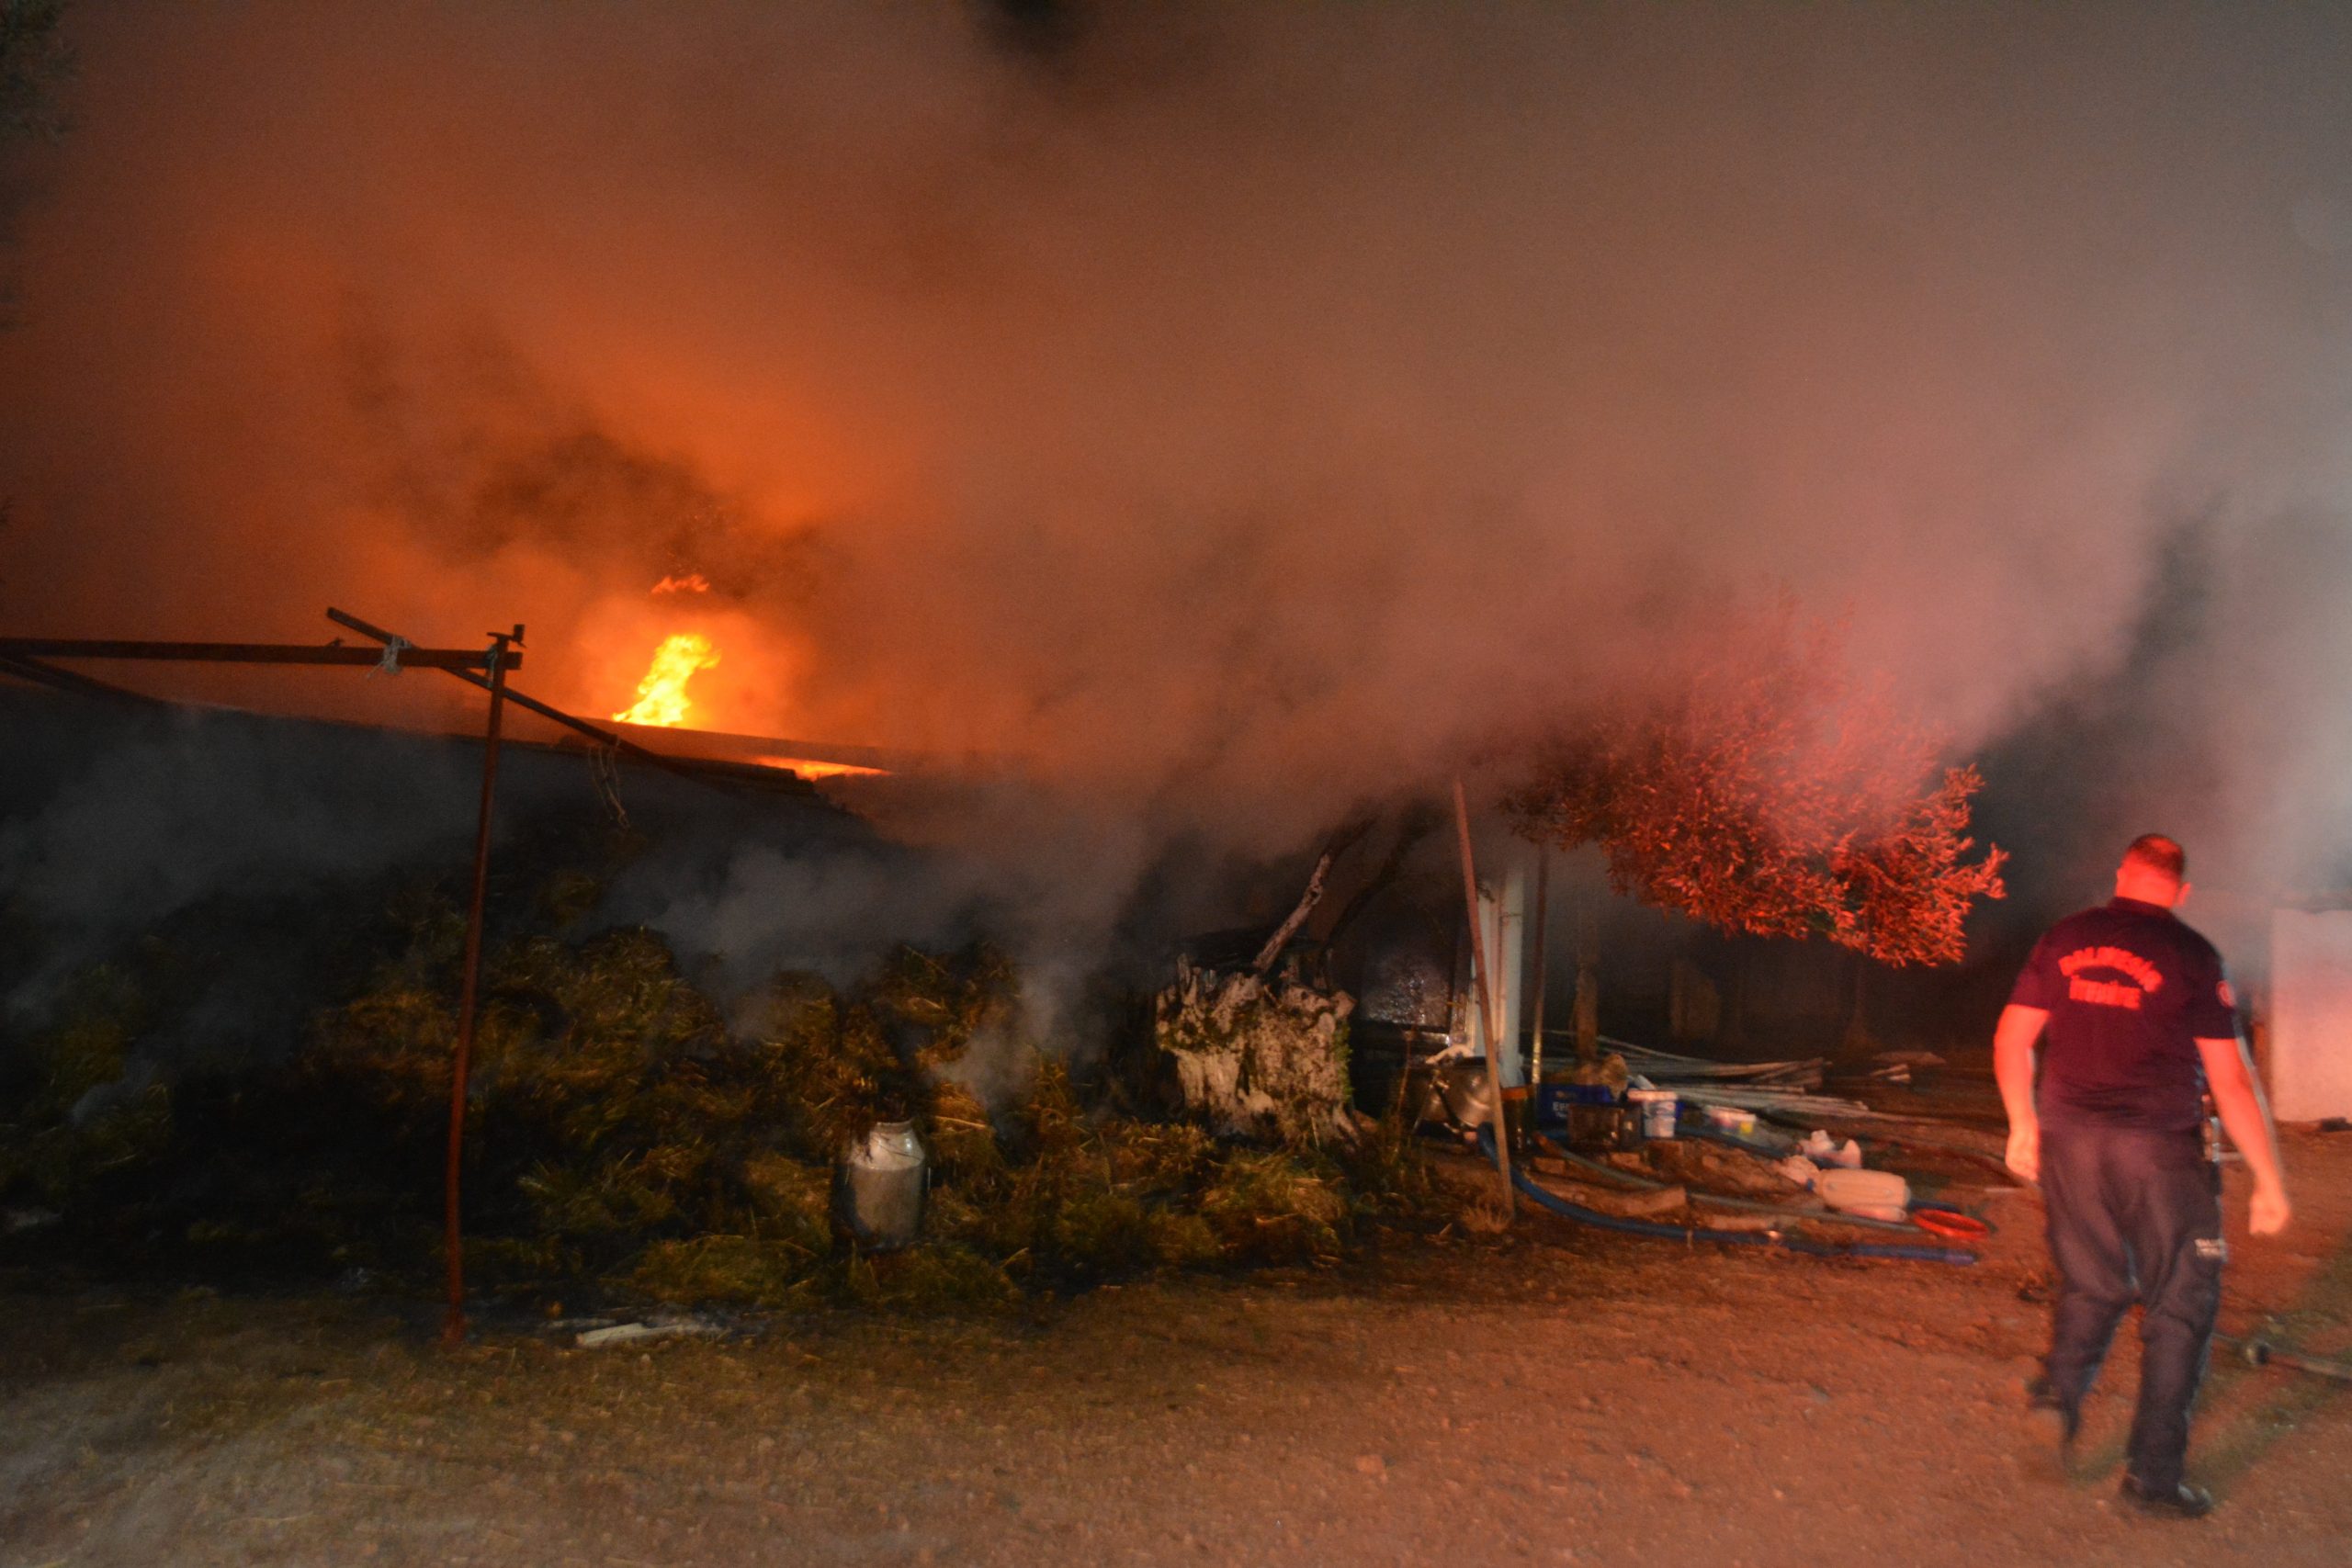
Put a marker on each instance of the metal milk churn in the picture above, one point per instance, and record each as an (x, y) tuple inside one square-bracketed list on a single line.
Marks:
[(884, 1177)]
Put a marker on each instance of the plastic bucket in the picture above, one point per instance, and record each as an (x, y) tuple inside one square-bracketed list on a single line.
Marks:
[(1658, 1108)]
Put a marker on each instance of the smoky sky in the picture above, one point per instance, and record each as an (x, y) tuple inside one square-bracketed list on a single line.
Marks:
[(1229, 411)]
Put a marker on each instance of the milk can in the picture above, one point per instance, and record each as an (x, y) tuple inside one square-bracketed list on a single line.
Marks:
[(884, 1176)]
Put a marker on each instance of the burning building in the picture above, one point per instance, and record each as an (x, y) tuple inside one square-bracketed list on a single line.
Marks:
[(1233, 440)]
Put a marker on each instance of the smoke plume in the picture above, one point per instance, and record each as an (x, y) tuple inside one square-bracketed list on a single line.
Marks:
[(1226, 411)]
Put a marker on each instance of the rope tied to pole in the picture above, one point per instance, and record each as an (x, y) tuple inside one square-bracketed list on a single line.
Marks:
[(604, 771), (389, 664)]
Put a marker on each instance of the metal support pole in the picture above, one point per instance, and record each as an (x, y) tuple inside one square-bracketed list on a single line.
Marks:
[(453, 1326), (335, 653), (597, 733), (27, 657), (1484, 992)]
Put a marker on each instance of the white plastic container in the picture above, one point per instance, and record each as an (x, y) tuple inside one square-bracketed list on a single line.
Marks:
[(1731, 1119), (1874, 1194), (1658, 1108)]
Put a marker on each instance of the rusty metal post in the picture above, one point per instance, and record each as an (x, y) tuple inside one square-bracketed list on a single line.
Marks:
[(1482, 989), (333, 653), (453, 1326)]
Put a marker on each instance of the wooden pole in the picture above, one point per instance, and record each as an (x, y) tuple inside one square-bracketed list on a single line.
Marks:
[(1588, 1001), (1339, 844), (1481, 988), (1543, 881), (453, 1325)]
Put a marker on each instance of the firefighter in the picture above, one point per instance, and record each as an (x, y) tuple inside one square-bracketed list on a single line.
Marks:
[(2136, 1025)]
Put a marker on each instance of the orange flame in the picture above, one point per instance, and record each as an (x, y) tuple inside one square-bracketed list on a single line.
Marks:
[(808, 770), (661, 696)]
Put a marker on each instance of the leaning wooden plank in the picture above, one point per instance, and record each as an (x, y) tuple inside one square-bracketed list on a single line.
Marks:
[(1610, 1200)]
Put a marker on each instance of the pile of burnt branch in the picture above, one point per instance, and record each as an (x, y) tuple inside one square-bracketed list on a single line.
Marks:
[(629, 1138)]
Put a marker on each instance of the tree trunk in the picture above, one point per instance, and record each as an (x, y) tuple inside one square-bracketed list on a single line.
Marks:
[(1256, 1058)]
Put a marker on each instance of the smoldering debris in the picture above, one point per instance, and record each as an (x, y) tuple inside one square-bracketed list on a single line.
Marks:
[(639, 1121), (623, 1133)]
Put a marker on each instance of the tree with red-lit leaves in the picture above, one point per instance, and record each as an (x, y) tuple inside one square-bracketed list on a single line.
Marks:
[(1759, 789)]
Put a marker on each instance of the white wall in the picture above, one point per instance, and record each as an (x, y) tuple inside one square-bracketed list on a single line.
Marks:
[(1502, 928), (2310, 1014)]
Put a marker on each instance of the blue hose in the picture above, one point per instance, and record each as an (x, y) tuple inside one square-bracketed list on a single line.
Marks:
[(1585, 1216)]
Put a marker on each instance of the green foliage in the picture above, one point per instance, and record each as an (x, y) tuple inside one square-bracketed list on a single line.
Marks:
[(103, 1011), (621, 1130), (619, 1198), (399, 1040), (693, 1163), (1277, 1207), (1385, 1171), (924, 1279), (951, 1001), (793, 1201), (842, 1075), (739, 1270), (961, 1139), (79, 1121)]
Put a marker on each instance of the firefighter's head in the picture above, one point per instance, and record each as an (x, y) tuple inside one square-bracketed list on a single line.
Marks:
[(2154, 872)]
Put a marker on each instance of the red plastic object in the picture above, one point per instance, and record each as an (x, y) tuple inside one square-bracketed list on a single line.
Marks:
[(1949, 1223)]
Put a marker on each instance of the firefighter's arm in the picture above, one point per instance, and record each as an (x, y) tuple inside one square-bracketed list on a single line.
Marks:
[(2246, 1118), (2013, 1042)]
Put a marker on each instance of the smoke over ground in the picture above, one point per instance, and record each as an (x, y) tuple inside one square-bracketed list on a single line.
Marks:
[(252, 868), (1231, 414)]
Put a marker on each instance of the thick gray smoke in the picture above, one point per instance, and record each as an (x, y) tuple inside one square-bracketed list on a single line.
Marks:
[(1230, 412), (249, 841), (263, 858), (187, 805)]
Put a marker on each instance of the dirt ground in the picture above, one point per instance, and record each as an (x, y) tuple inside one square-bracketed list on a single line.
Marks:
[(1553, 1396)]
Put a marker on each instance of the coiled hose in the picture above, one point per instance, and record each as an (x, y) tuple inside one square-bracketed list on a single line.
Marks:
[(1687, 1233)]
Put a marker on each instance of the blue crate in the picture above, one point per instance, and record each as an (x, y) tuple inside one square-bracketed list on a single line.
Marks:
[(1553, 1099)]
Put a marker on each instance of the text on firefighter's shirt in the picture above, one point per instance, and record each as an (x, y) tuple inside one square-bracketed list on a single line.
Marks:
[(2145, 977)]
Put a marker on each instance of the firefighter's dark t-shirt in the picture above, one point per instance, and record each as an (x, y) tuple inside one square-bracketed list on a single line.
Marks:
[(2130, 991)]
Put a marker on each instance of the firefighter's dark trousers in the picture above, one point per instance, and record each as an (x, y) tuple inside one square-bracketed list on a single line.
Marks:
[(2134, 1216)]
